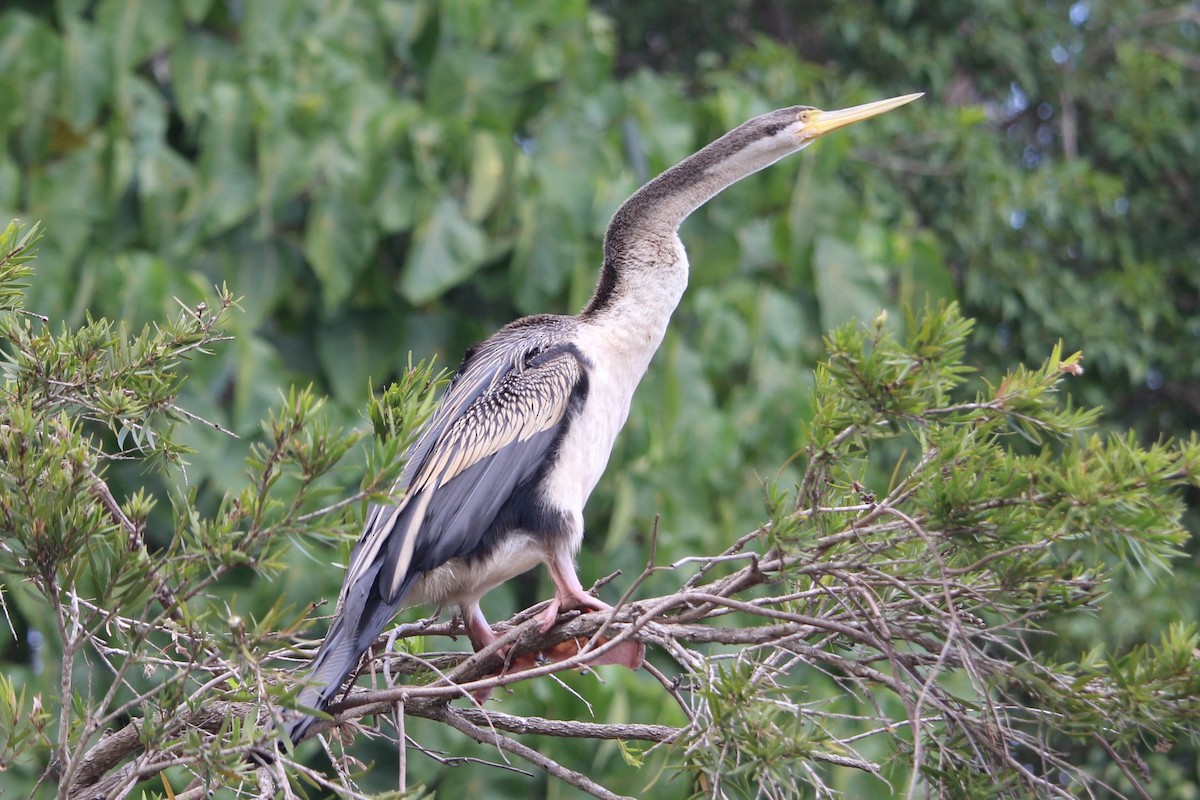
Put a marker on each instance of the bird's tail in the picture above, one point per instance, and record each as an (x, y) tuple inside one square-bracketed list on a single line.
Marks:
[(352, 633), (333, 663)]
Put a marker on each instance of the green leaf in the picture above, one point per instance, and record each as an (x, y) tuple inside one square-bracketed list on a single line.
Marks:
[(486, 182), (195, 10), (847, 287), (546, 250), (338, 245), (396, 200), (137, 29), (356, 348), (447, 249), (86, 84), (226, 186)]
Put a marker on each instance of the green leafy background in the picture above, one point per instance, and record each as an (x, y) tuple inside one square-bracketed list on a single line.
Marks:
[(386, 177)]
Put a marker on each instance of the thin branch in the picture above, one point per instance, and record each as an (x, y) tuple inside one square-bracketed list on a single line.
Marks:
[(454, 719)]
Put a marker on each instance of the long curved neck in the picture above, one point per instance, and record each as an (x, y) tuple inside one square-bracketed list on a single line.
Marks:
[(645, 267)]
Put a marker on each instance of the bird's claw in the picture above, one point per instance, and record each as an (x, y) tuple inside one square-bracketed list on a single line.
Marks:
[(577, 602), (629, 653)]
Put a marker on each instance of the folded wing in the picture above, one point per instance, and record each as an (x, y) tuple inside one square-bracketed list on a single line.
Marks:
[(493, 432)]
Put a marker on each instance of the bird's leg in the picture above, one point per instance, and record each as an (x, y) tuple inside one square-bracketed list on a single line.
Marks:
[(478, 630), (481, 636), (569, 595), (568, 592)]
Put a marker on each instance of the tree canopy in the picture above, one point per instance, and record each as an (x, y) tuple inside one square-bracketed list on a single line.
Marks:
[(253, 213)]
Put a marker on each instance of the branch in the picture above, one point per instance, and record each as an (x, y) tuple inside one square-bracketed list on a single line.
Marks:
[(454, 718), (887, 605), (568, 729)]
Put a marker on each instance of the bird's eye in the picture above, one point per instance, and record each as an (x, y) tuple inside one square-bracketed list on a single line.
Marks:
[(806, 116)]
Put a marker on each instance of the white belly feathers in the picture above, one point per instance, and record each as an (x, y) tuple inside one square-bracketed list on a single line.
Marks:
[(457, 582)]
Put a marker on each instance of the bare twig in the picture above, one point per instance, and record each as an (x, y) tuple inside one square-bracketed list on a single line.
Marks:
[(454, 719)]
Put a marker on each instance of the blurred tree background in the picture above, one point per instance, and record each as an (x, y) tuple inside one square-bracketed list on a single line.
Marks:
[(382, 178)]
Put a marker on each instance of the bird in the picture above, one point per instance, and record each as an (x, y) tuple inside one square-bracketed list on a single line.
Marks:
[(497, 480)]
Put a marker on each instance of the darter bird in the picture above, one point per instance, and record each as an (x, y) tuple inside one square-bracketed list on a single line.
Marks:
[(497, 481)]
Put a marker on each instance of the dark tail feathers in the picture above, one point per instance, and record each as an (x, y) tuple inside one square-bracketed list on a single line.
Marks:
[(334, 662), (360, 620)]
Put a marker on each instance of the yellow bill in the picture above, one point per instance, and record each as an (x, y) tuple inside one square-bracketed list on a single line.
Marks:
[(822, 122)]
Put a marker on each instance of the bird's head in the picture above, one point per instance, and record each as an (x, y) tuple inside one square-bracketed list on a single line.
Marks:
[(765, 139), (809, 124)]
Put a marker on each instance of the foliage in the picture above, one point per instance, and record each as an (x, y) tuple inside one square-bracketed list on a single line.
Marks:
[(1082, 237), (924, 597), (386, 177), (1053, 169), (921, 598), (147, 619)]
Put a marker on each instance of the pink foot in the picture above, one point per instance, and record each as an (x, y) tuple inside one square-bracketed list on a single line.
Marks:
[(627, 654), (580, 601)]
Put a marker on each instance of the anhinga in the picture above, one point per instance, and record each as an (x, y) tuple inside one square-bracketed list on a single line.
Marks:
[(497, 481)]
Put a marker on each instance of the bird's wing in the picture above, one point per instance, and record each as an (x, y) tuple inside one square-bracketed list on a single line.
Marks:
[(492, 431)]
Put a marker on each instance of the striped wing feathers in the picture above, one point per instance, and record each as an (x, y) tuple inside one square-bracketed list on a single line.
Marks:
[(518, 407), (500, 401)]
